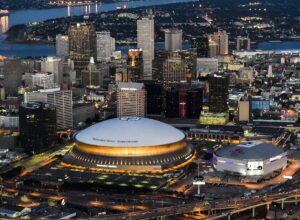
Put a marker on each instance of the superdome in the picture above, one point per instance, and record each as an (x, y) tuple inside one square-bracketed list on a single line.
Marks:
[(130, 144), (130, 131)]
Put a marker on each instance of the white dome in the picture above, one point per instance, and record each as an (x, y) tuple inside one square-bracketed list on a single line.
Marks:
[(129, 132)]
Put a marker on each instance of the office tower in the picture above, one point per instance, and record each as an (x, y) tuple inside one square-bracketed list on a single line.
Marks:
[(130, 99), (242, 43), (194, 102), (62, 100), (201, 45), (213, 49), (245, 108), (154, 91), (11, 71), (190, 59), (145, 41), (62, 45), (173, 39), (183, 88), (105, 46), (171, 105), (221, 39), (135, 65), (53, 65), (39, 80), (82, 46), (37, 122), (206, 66), (94, 75), (218, 93), (270, 71), (174, 69)]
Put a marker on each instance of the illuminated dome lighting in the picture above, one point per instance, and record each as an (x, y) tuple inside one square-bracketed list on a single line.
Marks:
[(130, 144)]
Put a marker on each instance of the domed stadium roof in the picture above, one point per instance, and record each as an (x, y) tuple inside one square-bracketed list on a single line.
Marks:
[(129, 132)]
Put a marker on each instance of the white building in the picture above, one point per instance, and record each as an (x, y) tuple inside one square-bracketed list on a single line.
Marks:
[(145, 41), (53, 65), (105, 46), (206, 66), (131, 99), (173, 39), (62, 45), (62, 100), (39, 80)]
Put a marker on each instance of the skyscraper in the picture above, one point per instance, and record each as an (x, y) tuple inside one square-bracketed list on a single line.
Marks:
[(62, 45), (130, 99), (173, 39), (82, 45), (194, 102), (171, 103), (174, 68), (12, 70), (201, 45), (145, 41), (221, 39), (242, 43), (94, 74), (154, 95), (105, 46), (218, 93), (37, 123), (62, 100), (53, 65), (135, 65)]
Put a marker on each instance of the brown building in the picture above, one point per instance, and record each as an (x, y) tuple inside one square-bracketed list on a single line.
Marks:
[(82, 46)]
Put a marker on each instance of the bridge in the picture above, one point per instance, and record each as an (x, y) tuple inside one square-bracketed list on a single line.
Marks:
[(213, 210)]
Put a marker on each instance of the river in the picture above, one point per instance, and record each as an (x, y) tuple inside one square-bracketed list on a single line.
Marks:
[(39, 15)]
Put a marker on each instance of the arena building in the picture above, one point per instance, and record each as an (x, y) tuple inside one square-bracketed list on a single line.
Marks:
[(250, 159), (130, 144)]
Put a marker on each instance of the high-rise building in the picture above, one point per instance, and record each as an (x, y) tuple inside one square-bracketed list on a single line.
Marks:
[(135, 65), (82, 46), (245, 108), (218, 93), (221, 39), (173, 39), (174, 69), (145, 41), (201, 45), (194, 102), (131, 99), (37, 123), (243, 43), (11, 71), (105, 46), (62, 100), (62, 45), (154, 90), (94, 75), (171, 103), (53, 65), (213, 49), (270, 71)]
